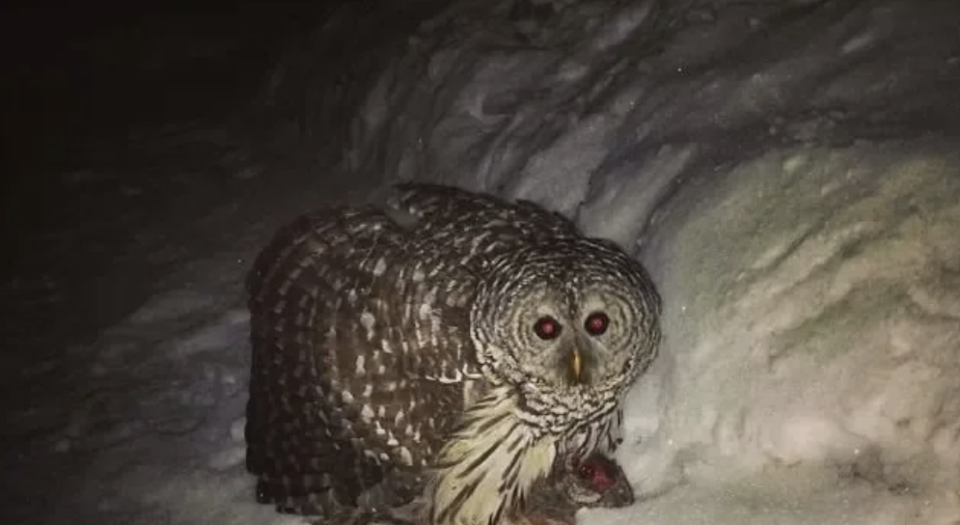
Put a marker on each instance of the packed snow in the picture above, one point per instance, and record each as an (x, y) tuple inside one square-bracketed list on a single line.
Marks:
[(788, 171)]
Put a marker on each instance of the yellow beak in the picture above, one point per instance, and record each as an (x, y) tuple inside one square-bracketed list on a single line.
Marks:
[(576, 365)]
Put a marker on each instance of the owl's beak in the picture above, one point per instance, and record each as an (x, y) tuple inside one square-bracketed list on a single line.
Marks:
[(576, 365)]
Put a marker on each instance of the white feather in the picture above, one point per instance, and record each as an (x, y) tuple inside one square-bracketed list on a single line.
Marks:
[(470, 486)]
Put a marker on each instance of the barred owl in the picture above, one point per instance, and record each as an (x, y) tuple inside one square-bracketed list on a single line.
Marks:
[(448, 344)]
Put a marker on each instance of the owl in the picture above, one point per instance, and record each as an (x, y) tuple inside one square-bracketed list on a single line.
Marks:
[(446, 345)]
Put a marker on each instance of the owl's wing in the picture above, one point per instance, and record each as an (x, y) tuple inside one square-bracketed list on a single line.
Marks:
[(360, 347)]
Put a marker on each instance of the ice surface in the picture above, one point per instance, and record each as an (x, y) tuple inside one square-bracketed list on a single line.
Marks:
[(789, 172)]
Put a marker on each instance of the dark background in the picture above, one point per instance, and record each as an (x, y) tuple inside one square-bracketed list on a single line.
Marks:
[(80, 84)]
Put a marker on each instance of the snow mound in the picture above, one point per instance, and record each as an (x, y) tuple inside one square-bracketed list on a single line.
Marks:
[(813, 326)]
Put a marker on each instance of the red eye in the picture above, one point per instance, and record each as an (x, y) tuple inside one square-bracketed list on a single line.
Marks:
[(546, 328), (596, 323)]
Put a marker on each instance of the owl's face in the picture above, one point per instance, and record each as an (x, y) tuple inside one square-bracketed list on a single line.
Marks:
[(574, 320), (569, 338)]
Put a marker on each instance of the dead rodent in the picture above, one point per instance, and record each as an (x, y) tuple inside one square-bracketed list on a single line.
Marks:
[(597, 481)]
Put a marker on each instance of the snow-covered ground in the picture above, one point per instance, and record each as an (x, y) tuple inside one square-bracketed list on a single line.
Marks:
[(789, 171)]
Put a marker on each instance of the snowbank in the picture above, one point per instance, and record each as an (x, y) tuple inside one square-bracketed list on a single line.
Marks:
[(813, 355)]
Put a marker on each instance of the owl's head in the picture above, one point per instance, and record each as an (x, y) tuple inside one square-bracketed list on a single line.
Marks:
[(571, 323)]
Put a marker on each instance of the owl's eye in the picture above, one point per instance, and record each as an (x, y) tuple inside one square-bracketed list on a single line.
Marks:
[(587, 471), (596, 323), (546, 328)]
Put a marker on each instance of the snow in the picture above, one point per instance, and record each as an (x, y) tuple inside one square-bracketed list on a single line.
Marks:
[(788, 171), (801, 341)]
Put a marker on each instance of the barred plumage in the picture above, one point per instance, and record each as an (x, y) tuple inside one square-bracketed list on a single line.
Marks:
[(448, 344)]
